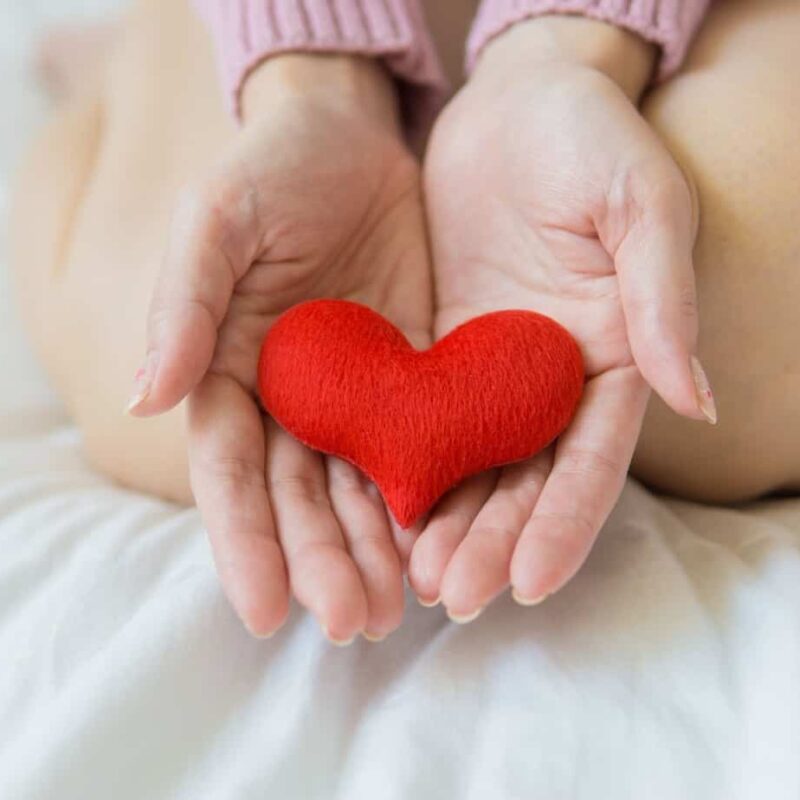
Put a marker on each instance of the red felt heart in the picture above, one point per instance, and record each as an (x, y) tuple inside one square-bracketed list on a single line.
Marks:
[(344, 380)]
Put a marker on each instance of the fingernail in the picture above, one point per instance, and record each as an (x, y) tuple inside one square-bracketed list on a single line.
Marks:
[(142, 383), (338, 642), (705, 397), (254, 631), (464, 619), (527, 601), (372, 637), (429, 603)]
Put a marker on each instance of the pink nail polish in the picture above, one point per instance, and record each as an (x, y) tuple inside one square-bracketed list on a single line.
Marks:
[(142, 383), (705, 397)]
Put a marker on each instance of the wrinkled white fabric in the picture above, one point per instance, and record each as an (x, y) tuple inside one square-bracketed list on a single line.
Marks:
[(668, 670)]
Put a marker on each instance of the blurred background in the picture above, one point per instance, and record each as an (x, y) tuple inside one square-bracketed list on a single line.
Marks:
[(24, 108)]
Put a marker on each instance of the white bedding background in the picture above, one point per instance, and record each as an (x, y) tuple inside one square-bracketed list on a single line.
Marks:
[(670, 668)]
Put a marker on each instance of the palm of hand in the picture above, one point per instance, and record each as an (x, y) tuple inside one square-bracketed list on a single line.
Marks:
[(335, 218), (329, 206), (527, 239), (333, 211)]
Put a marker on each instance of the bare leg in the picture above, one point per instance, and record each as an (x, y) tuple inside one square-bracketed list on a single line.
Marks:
[(89, 220), (71, 59), (93, 207), (732, 119), (95, 198)]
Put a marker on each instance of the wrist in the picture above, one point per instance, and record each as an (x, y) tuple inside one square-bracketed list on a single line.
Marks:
[(343, 82), (622, 56)]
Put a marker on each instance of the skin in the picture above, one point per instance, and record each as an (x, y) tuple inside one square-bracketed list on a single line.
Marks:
[(235, 260), (91, 216), (277, 513), (600, 238)]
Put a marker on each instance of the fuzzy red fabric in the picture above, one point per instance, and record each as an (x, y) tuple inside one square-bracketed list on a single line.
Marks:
[(344, 380)]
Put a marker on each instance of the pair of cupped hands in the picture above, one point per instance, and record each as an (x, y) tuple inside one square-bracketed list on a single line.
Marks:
[(542, 188)]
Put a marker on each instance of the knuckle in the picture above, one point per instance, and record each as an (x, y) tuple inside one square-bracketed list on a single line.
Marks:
[(687, 301), (345, 478), (451, 516), (528, 480), (496, 532), (650, 188), (297, 486), (374, 553), (371, 539), (662, 194), (688, 313), (518, 503), (306, 558), (356, 492), (213, 206), (661, 313), (588, 464), (232, 471), (570, 531), (663, 316)]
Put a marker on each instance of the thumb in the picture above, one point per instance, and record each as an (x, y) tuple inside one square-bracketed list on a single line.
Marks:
[(208, 251), (655, 271)]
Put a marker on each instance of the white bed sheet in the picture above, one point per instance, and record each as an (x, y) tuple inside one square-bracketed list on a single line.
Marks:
[(670, 667)]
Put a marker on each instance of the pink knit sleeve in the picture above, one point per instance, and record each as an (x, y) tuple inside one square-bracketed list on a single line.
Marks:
[(671, 24), (245, 32)]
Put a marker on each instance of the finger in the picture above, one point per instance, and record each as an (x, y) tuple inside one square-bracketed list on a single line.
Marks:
[(322, 573), (362, 517), (589, 469), (446, 528), (226, 456), (404, 538), (657, 288), (211, 245), (479, 569)]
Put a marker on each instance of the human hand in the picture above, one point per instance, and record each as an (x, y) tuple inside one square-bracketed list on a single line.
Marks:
[(546, 190), (316, 197)]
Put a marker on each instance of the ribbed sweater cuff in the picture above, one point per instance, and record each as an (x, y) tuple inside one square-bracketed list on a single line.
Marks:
[(671, 24), (246, 32)]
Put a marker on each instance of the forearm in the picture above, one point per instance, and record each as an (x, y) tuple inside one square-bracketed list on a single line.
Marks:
[(390, 32), (620, 54), (335, 81), (669, 24)]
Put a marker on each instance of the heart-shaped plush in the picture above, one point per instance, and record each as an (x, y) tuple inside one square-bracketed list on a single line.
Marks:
[(344, 380)]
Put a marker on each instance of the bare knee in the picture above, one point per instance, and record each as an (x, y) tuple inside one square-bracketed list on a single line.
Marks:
[(76, 340), (145, 455), (731, 120), (46, 197)]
